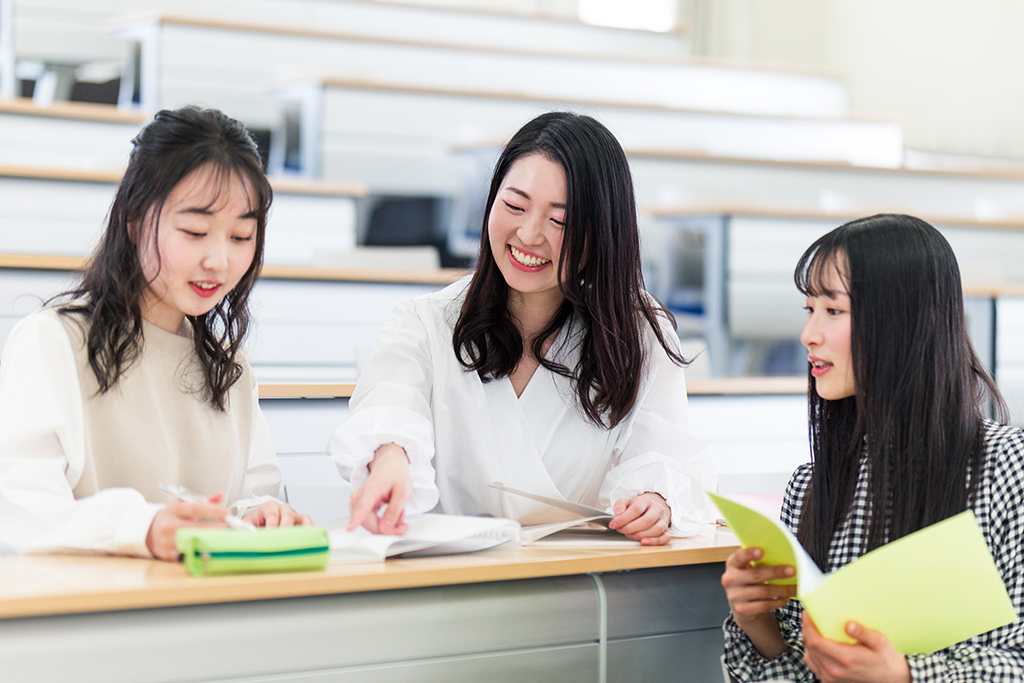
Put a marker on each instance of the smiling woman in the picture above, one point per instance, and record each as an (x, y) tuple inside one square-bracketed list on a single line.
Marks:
[(136, 378), (550, 369)]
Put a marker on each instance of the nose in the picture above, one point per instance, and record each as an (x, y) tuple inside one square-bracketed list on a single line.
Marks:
[(812, 335), (216, 256), (531, 231)]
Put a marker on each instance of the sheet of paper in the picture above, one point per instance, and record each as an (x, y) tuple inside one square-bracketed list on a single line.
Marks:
[(443, 534), (925, 591), (755, 529), (584, 537), (593, 514)]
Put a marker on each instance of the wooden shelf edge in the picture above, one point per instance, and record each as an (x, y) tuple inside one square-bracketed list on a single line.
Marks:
[(746, 386), (838, 217), (85, 111), (306, 389)]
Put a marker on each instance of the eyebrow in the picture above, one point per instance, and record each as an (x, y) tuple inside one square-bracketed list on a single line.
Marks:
[(557, 205), (206, 211)]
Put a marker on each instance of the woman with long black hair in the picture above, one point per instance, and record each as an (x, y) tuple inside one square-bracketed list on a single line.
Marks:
[(549, 370), (136, 378), (899, 441)]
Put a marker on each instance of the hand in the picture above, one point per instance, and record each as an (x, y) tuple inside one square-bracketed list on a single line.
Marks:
[(162, 539), (751, 599), (645, 518), (389, 483), (872, 659), (276, 514)]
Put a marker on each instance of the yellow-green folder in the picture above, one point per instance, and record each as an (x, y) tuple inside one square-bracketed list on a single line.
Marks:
[(926, 591)]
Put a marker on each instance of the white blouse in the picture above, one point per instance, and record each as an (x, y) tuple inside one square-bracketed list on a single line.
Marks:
[(462, 434), (44, 451)]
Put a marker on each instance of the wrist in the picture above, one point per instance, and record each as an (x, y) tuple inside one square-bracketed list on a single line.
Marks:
[(388, 453)]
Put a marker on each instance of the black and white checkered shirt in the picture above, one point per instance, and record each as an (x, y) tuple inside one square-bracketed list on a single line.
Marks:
[(993, 657)]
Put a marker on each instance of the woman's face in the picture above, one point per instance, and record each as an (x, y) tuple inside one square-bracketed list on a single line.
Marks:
[(205, 244), (525, 225), (827, 336)]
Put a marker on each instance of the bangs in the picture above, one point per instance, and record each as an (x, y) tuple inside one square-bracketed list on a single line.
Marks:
[(816, 265), (218, 181)]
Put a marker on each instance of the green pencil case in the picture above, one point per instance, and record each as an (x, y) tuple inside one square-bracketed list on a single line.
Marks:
[(226, 551)]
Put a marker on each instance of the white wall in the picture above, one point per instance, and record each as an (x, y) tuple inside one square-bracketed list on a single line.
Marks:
[(948, 70)]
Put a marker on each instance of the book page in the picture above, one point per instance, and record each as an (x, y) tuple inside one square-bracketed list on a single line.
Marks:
[(445, 534), (757, 530), (592, 514), (925, 591)]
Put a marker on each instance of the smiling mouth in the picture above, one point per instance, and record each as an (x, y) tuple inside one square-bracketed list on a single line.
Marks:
[(820, 367), (528, 260), (205, 289)]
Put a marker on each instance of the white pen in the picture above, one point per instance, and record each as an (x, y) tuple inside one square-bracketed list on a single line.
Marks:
[(182, 493)]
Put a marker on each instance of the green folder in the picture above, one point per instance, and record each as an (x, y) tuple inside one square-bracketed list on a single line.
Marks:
[(925, 591), (226, 551)]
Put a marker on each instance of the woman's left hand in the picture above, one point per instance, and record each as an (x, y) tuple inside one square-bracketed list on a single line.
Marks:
[(645, 518), (873, 658), (274, 513)]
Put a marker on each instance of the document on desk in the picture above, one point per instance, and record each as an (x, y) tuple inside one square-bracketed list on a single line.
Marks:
[(590, 529), (428, 534), (925, 591)]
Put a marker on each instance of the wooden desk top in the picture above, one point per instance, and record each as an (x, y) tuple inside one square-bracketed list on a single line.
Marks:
[(54, 585), (721, 386)]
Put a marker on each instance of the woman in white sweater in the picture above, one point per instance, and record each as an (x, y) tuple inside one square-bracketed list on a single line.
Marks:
[(550, 370), (136, 378)]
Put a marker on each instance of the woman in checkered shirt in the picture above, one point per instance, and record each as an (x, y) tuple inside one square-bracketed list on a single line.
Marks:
[(897, 432)]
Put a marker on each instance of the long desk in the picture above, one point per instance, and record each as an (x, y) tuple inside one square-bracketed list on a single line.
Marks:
[(521, 614)]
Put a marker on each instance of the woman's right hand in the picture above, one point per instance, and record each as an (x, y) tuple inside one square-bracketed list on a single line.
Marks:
[(389, 484), (751, 599), (162, 539)]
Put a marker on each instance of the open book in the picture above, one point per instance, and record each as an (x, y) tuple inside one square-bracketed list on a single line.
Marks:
[(925, 591), (428, 534), (569, 532)]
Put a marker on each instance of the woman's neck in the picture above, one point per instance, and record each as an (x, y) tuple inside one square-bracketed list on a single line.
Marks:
[(534, 311)]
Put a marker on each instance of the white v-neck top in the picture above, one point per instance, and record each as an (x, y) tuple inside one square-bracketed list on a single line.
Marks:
[(462, 434)]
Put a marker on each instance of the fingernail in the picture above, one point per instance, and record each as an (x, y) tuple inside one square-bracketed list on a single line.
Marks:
[(851, 628), (790, 571)]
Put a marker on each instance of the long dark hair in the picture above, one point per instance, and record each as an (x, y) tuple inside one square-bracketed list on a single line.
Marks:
[(917, 412), (600, 274), (109, 294)]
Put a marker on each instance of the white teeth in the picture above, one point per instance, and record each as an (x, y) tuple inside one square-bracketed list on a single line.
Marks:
[(205, 285), (526, 259)]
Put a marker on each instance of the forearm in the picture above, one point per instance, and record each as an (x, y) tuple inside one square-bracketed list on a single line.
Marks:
[(764, 634)]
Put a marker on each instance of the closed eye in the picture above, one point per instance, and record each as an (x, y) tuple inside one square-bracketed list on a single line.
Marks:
[(192, 233), (239, 238), (512, 207)]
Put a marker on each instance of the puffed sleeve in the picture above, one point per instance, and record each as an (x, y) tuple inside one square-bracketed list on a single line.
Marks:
[(42, 454), (996, 656), (262, 480), (743, 660), (658, 453), (391, 404)]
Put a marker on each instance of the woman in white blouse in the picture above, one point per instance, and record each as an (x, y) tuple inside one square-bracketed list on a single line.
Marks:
[(549, 370)]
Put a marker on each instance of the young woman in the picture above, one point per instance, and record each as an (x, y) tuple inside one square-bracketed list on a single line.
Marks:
[(549, 370), (137, 377), (899, 442)]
